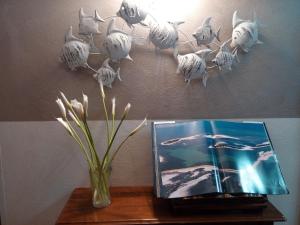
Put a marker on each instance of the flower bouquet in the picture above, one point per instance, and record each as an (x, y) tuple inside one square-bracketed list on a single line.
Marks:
[(99, 169)]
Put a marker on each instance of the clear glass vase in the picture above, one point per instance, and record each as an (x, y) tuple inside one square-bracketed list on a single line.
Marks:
[(100, 187)]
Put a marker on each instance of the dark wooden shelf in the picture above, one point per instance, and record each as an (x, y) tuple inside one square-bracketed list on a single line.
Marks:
[(137, 205)]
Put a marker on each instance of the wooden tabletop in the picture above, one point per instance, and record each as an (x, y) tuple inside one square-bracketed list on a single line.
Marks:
[(137, 205)]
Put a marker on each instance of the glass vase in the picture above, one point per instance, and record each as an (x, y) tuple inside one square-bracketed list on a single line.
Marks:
[(100, 187)]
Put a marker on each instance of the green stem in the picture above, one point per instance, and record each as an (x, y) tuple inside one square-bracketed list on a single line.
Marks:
[(78, 140), (111, 141), (90, 138), (119, 147), (82, 124), (106, 119)]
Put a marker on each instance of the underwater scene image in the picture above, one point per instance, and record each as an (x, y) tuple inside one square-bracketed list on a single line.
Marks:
[(202, 157)]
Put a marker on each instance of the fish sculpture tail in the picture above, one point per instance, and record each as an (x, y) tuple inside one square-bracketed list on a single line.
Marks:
[(235, 55), (204, 79), (175, 53), (118, 74)]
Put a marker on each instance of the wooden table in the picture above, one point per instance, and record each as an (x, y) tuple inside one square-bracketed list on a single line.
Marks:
[(137, 205)]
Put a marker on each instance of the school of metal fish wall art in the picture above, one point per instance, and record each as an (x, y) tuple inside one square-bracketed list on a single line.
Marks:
[(117, 43)]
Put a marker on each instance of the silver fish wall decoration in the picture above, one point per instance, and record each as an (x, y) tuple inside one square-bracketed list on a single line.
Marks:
[(164, 35), (205, 34), (117, 43), (193, 65), (75, 52), (245, 33), (225, 58), (106, 74), (132, 13)]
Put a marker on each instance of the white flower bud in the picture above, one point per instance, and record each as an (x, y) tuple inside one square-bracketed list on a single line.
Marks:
[(61, 107), (78, 108), (85, 104), (113, 106)]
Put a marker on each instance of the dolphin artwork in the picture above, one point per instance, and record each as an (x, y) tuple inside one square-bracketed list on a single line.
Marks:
[(245, 33)]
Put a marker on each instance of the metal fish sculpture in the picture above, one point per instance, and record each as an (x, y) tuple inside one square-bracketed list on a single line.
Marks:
[(132, 13), (75, 52), (89, 24), (245, 33), (117, 43), (106, 74), (205, 34), (164, 35), (225, 58), (193, 66)]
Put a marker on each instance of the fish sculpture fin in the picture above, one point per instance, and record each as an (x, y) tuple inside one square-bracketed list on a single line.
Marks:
[(106, 63), (95, 76), (144, 24), (259, 42), (82, 13), (70, 37), (176, 23), (112, 29), (178, 70), (217, 35), (249, 30), (118, 74), (206, 21), (203, 53), (98, 17), (179, 58), (245, 49), (129, 58), (175, 52), (109, 85), (93, 48), (204, 79), (224, 47), (110, 26), (236, 20), (235, 55)]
